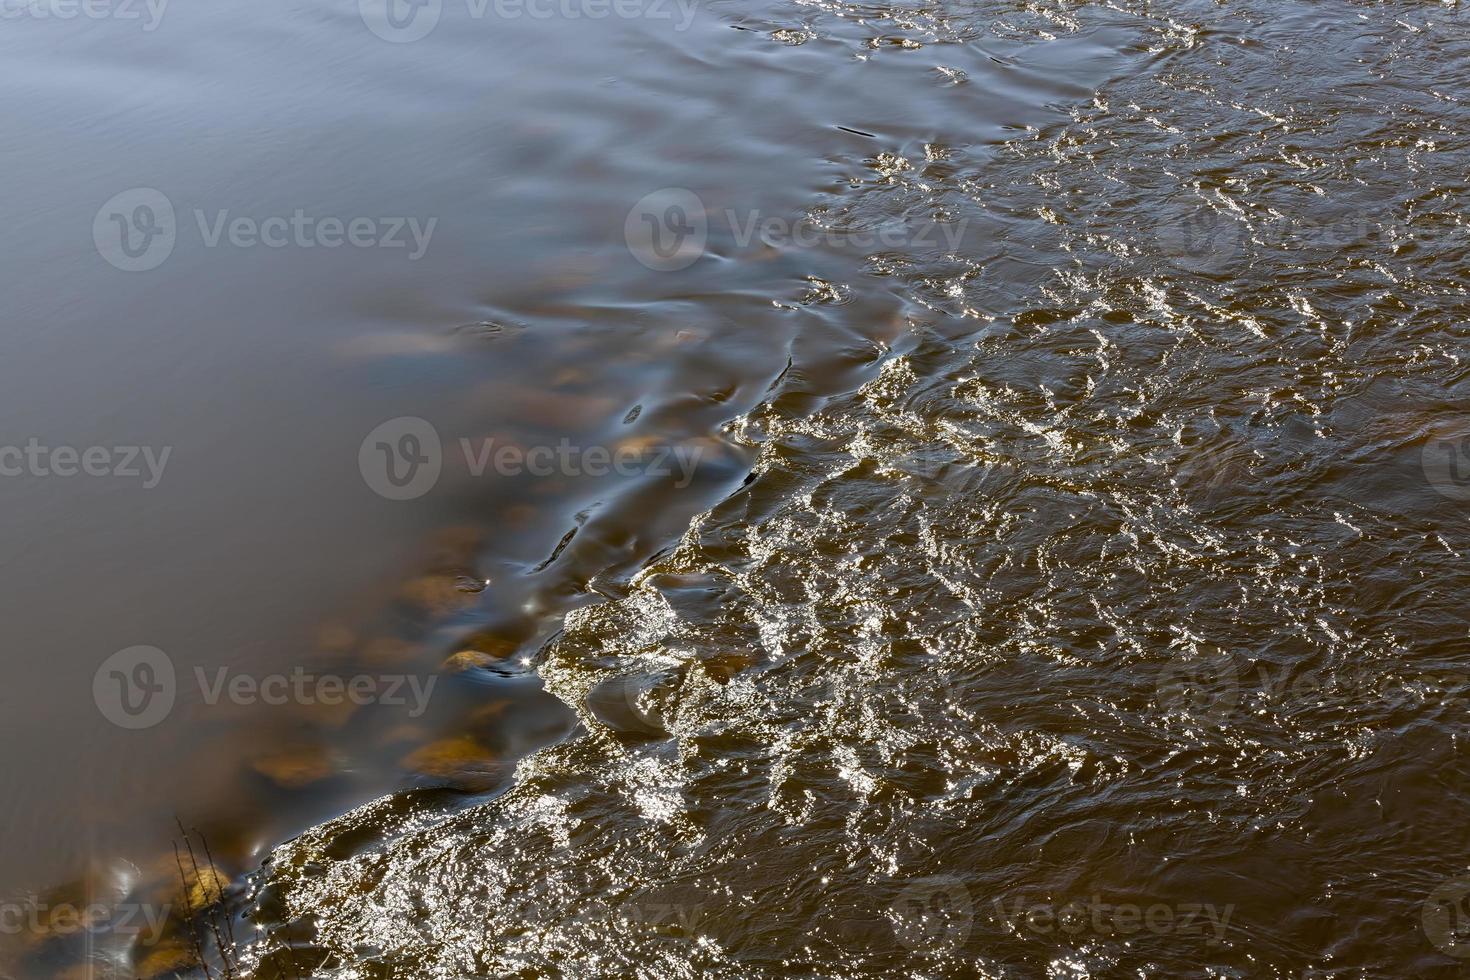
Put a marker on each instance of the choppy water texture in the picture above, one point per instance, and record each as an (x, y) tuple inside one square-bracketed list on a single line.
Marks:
[(1080, 596), (1102, 561)]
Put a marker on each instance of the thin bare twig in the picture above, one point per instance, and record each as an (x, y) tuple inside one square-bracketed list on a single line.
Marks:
[(193, 928)]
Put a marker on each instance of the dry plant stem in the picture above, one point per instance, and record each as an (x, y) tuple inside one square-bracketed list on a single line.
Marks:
[(189, 914), (211, 911), (220, 911)]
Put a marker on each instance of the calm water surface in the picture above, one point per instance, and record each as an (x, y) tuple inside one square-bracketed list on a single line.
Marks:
[(1040, 548)]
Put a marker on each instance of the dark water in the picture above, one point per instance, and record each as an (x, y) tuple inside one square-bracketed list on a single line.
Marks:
[(1066, 579)]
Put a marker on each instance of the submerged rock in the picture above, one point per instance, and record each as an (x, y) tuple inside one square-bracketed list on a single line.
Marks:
[(721, 667), (166, 959), (295, 767), (439, 595), (385, 650), (335, 638), (456, 545), (461, 762), (95, 969), (490, 712), (641, 445), (468, 660), (199, 887)]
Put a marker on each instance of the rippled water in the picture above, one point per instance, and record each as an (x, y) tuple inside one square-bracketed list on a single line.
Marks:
[(1072, 580)]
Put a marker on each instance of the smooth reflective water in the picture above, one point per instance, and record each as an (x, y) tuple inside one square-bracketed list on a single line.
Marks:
[(1067, 574)]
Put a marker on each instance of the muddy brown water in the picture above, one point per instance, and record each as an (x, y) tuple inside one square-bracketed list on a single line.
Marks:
[(735, 490)]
